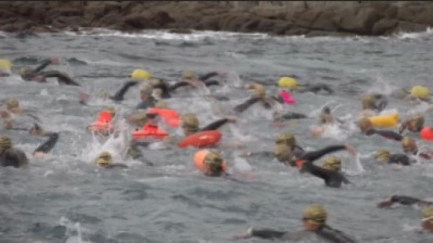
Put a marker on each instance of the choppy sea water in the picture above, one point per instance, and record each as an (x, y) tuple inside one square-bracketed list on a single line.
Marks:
[(65, 198)]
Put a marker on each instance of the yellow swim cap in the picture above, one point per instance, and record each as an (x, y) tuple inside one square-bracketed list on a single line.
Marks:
[(427, 213), (283, 153), (316, 213), (146, 89), (214, 161), (408, 144), (332, 163), (5, 142), (140, 74), (190, 122), (382, 155), (286, 138), (287, 82), (365, 124), (24, 71), (420, 92), (5, 63), (12, 103), (416, 122), (368, 101), (188, 75), (104, 159)]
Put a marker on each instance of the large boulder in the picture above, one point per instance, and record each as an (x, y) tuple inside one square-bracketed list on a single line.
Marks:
[(383, 26), (357, 20)]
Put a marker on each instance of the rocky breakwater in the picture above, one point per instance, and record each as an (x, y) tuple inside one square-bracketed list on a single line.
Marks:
[(278, 18)]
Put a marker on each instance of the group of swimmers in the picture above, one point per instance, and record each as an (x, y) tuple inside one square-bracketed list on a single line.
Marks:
[(153, 95)]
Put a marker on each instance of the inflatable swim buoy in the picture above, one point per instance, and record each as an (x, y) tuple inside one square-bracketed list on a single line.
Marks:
[(102, 123), (169, 116), (201, 139), (390, 120), (427, 133), (199, 161), (149, 131), (287, 98)]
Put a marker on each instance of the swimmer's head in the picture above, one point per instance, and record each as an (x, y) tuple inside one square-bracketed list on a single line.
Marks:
[(157, 94), (332, 163), (427, 219), (214, 162), (368, 102), (111, 110), (161, 104), (146, 92), (288, 83), (313, 217), (382, 155), (5, 143), (365, 125), (409, 145), (12, 103), (140, 74), (36, 130), (155, 82), (188, 75), (138, 119), (259, 92), (25, 71), (284, 154), (415, 123), (286, 138), (104, 159), (190, 123)]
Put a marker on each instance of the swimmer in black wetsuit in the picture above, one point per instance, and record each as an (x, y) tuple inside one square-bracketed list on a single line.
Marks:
[(190, 124), (289, 139), (10, 156), (147, 100), (258, 95), (409, 146), (38, 75), (154, 82), (305, 163), (383, 155), (190, 78), (314, 223), (105, 160), (46, 147), (314, 88), (414, 124), (366, 128)]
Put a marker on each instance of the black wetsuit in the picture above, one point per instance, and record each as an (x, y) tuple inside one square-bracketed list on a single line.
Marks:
[(49, 144), (315, 88), (406, 200), (61, 77), (291, 116), (325, 232), (385, 133), (203, 78), (214, 125), (13, 157), (119, 95), (251, 101), (401, 159), (145, 104), (331, 178)]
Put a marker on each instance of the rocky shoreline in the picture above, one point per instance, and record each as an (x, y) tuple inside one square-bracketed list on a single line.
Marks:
[(308, 18)]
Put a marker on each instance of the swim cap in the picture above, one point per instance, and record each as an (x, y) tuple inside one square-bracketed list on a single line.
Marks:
[(138, 119), (140, 74), (190, 122), (427, 213), (287, 82), (315, 212), (146, 90), (12, 103), (283, 153), (157, 94), (161, 104), (25, 71), (286, 138), (382, 155), (416, 123), (155, 81), (332, 163), (408, 144), (214, 161), (368, 102), (365, 124), (104, 159), (188, 74), (259, 92), (111, 110), (5, 63), (5, 142), (420, 92)]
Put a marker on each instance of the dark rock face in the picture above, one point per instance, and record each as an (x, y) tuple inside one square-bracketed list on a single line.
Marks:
[(277, 18)]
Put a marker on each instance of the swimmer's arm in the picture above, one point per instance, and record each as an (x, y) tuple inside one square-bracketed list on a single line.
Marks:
[(178, 85), (316, 171), (211, 82), (208, 76), (242, 107), (389, 134), (262, 233), (62, 77), (216, 124), (311, 156), (42, 66), (121, 93), (49, 144)]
